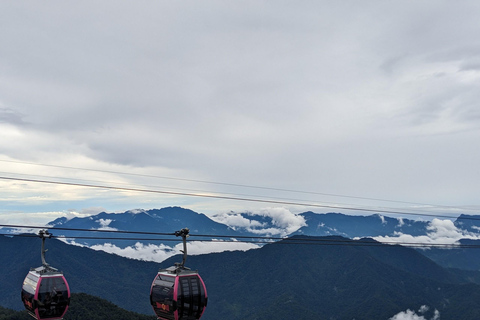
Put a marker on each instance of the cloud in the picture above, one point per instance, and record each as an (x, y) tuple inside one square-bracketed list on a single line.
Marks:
[(407, 315), (10, 116), (412, 315), (382, 218), (423, 309), (104, 224), (236, 220), (30, 218), (139, 251), (439, 232), (159, 253), (284, 219), (280, 221), (204, 247)]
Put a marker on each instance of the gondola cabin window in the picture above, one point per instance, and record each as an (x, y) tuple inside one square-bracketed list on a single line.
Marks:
[(163, 296)]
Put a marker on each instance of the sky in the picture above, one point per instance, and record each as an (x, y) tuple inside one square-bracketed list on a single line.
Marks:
[(333, 103)]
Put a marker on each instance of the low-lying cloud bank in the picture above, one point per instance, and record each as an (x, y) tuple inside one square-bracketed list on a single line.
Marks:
[(159, 253), (412, 315), (278, 221), (439, 232)]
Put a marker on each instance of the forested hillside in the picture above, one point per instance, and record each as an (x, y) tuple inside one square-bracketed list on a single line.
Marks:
[(83, 307), (332, 280), (301, 278), (125, 282)]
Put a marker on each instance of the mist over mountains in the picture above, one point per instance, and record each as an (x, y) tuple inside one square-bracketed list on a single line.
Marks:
[(227, 227), (271, 222), (276, 222)]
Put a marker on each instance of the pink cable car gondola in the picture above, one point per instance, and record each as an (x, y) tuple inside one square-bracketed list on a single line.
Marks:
[(45, 291), (178, 293)]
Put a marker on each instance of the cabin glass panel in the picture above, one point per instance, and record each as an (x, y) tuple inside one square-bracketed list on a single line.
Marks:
[(162, 297), (191, 298), (28, 291), (52, 298)]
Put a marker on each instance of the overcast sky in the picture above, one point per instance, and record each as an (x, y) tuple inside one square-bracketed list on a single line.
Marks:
[(366, 99)]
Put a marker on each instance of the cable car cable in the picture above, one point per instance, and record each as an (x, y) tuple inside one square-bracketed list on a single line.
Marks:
[(224, 183), (274, 239), (85, 230), (236, 198), (91, 182), (263, 238)]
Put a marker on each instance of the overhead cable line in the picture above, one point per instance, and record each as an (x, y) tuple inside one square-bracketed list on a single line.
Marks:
[(224, 183), (86, 230), (158, 187), (246, 239), (283, 241), (258, 200)]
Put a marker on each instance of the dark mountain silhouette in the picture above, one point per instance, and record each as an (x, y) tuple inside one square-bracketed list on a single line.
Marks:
[(459, 258), (468, 223), (359, 226), (332, 281), (169, 219), (318, 277), (166, 220), (125, 282)]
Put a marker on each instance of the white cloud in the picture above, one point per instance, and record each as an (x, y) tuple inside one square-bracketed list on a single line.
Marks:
[(104, 224), (30, 218), (204, 247), (382, 218), (439, 232), (159, 253), (407, 315), (423, 309), (283, 221), (236, 220), (139, 251), (444, 229), (412, 315)]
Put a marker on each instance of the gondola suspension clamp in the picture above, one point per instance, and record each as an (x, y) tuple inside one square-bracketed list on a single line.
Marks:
[(44, 234), (184, 233)]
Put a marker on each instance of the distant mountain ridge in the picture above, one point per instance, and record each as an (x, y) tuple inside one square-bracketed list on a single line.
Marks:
[(468, 223), (359, 226), (167, 220)]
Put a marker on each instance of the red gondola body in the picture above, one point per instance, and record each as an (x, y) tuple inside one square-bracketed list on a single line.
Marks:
[(177, 293), (46, 296), (45, 291), (181, 296)]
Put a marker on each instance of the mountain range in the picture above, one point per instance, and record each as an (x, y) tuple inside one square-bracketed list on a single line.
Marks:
[(168, 219), (235, 225), (297, 278)]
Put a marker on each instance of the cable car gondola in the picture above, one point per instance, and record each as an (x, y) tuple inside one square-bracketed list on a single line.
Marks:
[(178, 293), (45, 291)]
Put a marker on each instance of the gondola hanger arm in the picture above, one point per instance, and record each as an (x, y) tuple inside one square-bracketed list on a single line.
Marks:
[(184, 233), (44, 234)]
